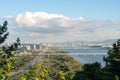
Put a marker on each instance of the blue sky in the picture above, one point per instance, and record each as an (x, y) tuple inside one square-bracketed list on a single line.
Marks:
[(90, 9), (87, 17)]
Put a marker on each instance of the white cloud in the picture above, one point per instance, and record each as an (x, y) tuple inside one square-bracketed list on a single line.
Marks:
[(43, 19), (56, 27)]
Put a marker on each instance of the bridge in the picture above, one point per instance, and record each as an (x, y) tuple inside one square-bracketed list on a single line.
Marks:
[(87, 54)]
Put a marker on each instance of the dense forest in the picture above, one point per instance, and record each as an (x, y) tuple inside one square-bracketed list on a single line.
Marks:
[(62, 67)]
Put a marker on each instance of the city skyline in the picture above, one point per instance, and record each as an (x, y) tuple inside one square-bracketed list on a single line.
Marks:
[(56, 21)]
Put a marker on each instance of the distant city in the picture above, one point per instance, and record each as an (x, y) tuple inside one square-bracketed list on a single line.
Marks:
[(80, 44), (68, 44)]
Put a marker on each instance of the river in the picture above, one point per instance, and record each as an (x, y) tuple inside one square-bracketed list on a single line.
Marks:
[(88, 55)]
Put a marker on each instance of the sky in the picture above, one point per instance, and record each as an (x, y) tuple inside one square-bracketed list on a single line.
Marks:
[(36, 21)]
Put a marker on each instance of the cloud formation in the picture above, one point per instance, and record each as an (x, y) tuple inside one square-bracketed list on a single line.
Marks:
[(52, 27)]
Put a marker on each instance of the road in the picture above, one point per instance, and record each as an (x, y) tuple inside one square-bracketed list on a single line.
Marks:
[(28, 66)]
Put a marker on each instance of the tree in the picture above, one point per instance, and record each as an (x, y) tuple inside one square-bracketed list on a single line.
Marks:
[(91, 71), (6, 52), (113, 59), (3, 32), (111, 71)]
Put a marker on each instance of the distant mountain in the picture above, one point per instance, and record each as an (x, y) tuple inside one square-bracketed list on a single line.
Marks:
[(110, 41)]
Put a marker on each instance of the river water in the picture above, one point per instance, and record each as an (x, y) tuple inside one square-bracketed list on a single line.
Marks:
[(88, 55)]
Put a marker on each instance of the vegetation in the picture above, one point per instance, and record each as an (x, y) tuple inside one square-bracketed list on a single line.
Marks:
[(20, 62), (62, 67), (3, 32), (6, 52), (113, 59)]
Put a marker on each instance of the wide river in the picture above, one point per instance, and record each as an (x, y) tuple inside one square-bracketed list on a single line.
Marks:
[(88, 55)]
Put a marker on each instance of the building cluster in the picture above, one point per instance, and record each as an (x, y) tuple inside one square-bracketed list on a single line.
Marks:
[(31, 46), (68, 44), (27, 46)]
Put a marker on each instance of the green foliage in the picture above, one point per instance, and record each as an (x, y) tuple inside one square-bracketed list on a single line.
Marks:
[(43, 74), (116, 77), (90, 72), (9, 65), (23, 78), (36, 78), (19, 62), (69, 75), (5, 53), (3, 32), (49, 68), (61, 75), (113, 59)]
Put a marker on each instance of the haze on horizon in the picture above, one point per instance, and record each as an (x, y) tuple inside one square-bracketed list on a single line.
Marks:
[(57, 21)]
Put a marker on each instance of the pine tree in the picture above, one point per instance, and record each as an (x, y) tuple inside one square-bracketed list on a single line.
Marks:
[(3, 32), (113, 59), (6, 52)]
